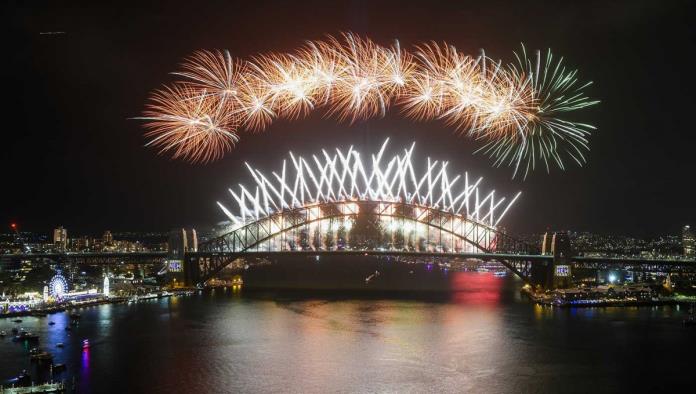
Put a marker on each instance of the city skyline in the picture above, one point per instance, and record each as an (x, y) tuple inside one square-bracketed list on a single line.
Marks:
[(90, 172)]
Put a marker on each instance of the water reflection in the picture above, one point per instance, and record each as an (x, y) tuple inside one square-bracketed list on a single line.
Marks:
[(483, 339), (477, 288)]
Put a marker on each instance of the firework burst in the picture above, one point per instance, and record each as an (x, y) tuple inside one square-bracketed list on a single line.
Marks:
[(551, 91), (189, 124), (515, 110)]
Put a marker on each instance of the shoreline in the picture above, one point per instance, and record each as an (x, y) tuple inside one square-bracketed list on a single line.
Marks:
[(62, 308), (590, 303)]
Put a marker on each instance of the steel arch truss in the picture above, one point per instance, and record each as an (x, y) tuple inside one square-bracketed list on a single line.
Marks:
[(365, 226)]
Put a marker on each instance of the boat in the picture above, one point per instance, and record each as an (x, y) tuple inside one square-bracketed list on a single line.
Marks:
[(67, 328), (23, 379), (75, 316), (149, 296), (60, 344), (51, 323), (17, 320), (2, 334), (58, 367), (369, 278)]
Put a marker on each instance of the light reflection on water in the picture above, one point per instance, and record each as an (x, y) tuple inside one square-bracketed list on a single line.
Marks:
[(480, 338)]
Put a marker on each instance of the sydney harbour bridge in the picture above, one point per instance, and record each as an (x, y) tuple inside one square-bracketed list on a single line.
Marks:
[(342, 203)]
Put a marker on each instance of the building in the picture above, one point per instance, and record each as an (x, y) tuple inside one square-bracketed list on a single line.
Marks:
[(107, 238), (688, 242), (81, 244), (60, 238)]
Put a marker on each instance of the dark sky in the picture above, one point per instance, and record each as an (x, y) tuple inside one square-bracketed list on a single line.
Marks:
[(71, 156)]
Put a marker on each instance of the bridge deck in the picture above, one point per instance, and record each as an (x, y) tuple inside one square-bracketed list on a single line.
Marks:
[(85, 256)]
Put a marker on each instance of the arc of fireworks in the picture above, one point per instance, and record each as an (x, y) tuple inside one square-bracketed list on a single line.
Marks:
[(515, 110)]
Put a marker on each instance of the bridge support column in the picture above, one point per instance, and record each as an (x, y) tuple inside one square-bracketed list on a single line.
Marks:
[(192, 272), (557, 273), (542, 274)]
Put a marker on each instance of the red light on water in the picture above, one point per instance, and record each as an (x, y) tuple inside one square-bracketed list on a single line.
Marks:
[(475, 288)]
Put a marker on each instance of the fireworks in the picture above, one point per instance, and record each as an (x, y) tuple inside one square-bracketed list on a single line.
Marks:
[(190, 124), (512, 109), (344, 176)]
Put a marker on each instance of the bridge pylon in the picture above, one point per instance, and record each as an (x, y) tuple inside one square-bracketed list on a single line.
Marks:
[(181, 243), (557, 272)]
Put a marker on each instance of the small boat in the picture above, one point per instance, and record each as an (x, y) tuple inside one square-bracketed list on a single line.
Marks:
[(51, 323), (58, 367), (34, 350), (17, 320), (75, 316), (60, 344), (24, 379), (67, 328), (2, 334)]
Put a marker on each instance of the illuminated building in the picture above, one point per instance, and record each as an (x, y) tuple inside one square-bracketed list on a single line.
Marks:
[(107, 238), (60, 238), (688, 242)]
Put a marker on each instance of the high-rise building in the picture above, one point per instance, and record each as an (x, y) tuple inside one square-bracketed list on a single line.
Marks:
[(60, 238), (688, 242), (107, 238), (80, 244)]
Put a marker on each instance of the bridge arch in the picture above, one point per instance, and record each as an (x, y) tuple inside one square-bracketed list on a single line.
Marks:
[(435, 231)]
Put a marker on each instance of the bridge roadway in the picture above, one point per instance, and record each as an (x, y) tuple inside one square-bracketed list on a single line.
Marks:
[(154, 257)]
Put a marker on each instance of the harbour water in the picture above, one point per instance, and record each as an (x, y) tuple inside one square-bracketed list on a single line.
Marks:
[(483, 337)]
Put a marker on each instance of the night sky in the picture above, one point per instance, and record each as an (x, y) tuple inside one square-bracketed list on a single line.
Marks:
[(72, 156)]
